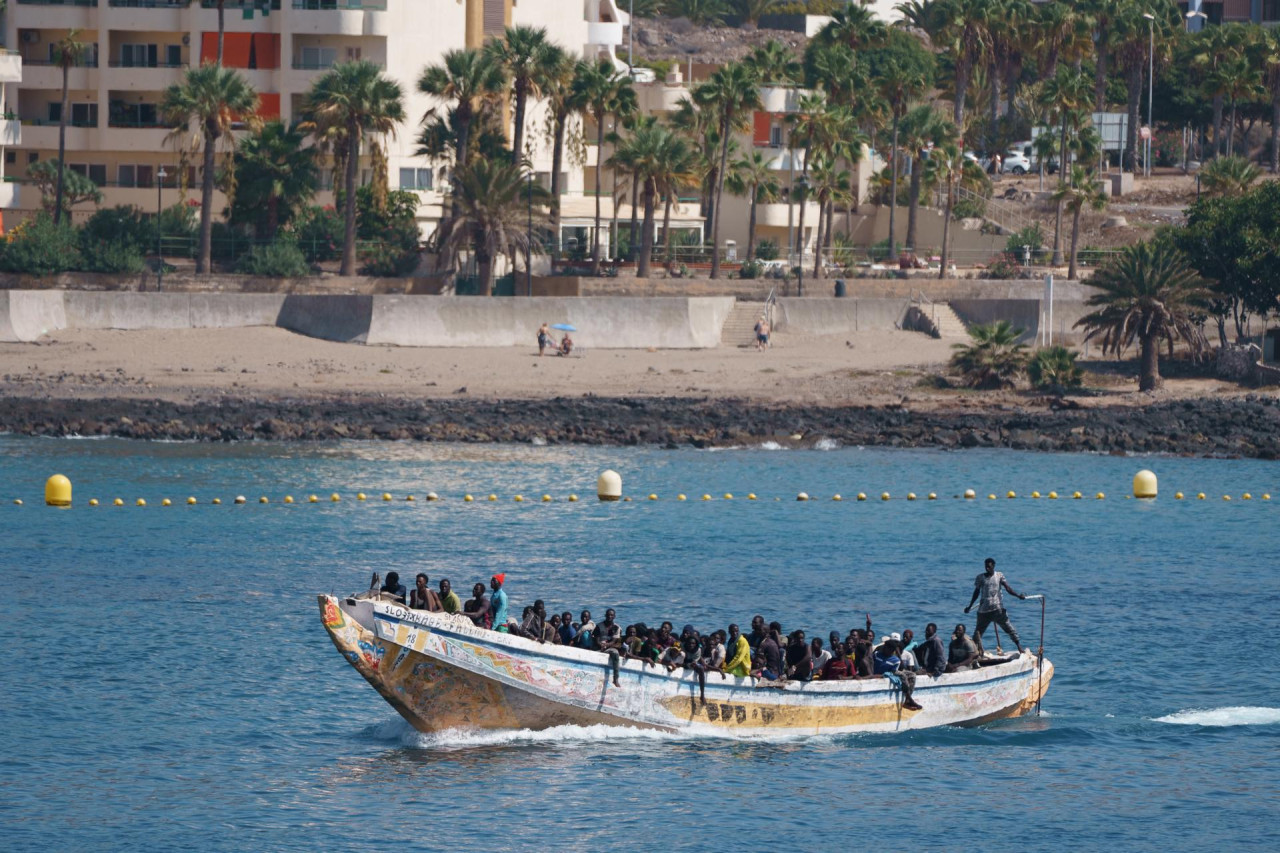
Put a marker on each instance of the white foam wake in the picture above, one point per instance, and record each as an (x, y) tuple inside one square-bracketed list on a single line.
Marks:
[(1239, 715)]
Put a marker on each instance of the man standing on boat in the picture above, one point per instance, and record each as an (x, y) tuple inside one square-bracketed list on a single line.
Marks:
[(988, 586), (498, 603)]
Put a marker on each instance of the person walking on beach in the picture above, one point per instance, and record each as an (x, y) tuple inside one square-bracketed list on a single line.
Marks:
[(988, 592), (762, 333), (544, 338)]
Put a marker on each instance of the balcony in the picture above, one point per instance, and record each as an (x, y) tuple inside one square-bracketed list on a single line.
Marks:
[(45, 75), (93, 3), (604, 33), (10, 67), (43, 135), (340, 17), (10, 194), (143, 78), (58, 14), (10, 131)]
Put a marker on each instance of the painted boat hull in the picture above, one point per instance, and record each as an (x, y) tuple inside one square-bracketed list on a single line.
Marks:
[(440, 672)]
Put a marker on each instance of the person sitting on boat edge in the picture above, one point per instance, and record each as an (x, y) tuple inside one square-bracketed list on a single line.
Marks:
[(715, 653), (889, 664), (771, 651), (820, 656), (758, 632), (931, 657), (568, 632), (739, 653), (989, 586), (799, 661), (394, 587), (422, 596), (498, 603), (962, 653), (449, 601), (839, 667), (477, 607), (585, 638)]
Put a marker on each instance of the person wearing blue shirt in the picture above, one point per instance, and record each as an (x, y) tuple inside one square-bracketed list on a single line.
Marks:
[(498, 603)]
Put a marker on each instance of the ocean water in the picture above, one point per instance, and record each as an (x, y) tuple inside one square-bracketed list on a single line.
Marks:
[(169, 685)]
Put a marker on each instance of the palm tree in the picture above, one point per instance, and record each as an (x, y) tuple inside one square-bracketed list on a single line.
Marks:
[(730, 94), (1236, 78), (1229, 176), (753, 178), (922, 128), (1081, 191), (557, 88), (1147, 293), (960, 28), (493, 198), (1271, 64), (205, 103), (1054, 369), (355, 100), (993, 359), (276, 176), (68, 51), (1067, 93), (470, 79), (946, 165), (774, 63), (603, 93), (525, 54), (830, 185), (1210, 48), (651, 151), (900, 78)]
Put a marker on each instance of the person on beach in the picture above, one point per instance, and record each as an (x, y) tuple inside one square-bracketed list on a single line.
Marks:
[(989, 587), (739, 654), (930, 655), (544, 339), (449, 601), (566, 345), (762, 334), (962, 653), (422, 596), (478, 607), (394, 587), (498, 603)]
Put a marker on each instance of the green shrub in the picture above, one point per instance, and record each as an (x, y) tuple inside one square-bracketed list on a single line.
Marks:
[(116, 240), (751, 269), (38, 247), (767, 250), (318, 231), (1030, 237), (1055, 369), (111, 257), (969, 208), (281, 258), (387, 259), (1004, 266)]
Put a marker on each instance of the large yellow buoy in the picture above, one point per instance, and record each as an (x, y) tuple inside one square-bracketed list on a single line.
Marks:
[(191, 501), (386, 496), (837, 497), (216, 501), (706, 497), (166, 502), (118, 502), (911, 496), (609, 486), (1144, 484), (360, 496), (573, 499), (1053, 496), (751, 496), (335, 497), (57, 491), (728, 496), (264, 500), (884, 496), (466, 499), (288, 499), (652, 497), (862, 496), (140, 502), (312, 499), (933, 496)]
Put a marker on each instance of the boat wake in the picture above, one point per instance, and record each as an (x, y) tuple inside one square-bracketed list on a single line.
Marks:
[(1239, 715)]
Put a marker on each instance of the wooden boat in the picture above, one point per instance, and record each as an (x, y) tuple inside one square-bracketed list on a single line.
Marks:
[(441, 672)]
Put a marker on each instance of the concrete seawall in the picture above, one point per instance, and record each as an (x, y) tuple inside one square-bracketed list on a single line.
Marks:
[(830, 316), (435, 321)]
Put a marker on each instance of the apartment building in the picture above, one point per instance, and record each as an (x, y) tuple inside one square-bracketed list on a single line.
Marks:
[(137, 48), (10, 128)]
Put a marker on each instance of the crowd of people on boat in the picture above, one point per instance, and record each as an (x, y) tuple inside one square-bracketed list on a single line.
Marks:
[(766, 653)]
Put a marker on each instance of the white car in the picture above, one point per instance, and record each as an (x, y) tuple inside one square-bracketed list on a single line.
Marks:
[(1015, 161)]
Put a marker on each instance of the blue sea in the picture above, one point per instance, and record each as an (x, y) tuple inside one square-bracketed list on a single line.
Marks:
[(169, 685)]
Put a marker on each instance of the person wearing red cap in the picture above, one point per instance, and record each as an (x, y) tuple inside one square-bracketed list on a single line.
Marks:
[(498, 603)]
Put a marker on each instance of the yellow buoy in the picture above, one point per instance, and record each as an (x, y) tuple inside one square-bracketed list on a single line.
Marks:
[(1100, 495), (1246, 496), (1226, 497), (191, 501), (492, 498), (386, 496), (911, 496), (17, 501), (1266, 497), (728, 496), (517, 499), (1076, 495), (57, 491), (165, 502), (1177, 496), (836, 498), (706, 497), (1053, 496), (681, 498), (117, 502), (467, 499), (933, 496), (546, 499), (573, 499), (1011, 494), (803, 496), (884, 496), (239, 499), (312, 499), (93, 501), (991, 496), (970, 494), (1200, 496), (862, 496), (360, 496), (1144, 484), (140, 502), (408, 497), (288, 499), (263, 500), (1035, 495), (751, 496), (609, 485), (334, 498), (216, 501), (652, 497)]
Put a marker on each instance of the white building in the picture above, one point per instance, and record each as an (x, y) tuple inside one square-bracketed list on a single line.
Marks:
[(140, 47), (10, 129)]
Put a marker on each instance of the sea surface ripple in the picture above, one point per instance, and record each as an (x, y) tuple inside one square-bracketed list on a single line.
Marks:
[(170, 686)]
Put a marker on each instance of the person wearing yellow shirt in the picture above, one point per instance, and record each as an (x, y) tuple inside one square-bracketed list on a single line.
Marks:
[(739, 654)]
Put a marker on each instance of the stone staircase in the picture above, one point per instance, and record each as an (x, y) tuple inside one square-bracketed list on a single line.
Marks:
[(948, 322), (739, 327)]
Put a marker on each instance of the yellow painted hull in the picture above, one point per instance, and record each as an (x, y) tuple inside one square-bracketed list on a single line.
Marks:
[(440, 672)]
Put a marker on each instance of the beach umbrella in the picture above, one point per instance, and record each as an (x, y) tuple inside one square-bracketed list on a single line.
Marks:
[(564, 327)]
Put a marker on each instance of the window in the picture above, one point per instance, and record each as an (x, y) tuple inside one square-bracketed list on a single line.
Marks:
[(32, 157), (775, 136), (317, 57), (98, 173), (79, 169), (353, 54), (415, 179), (145, 176), (55, 112), (138, 55), (126, 176), (173, 55), (11, 157), (84, 115)]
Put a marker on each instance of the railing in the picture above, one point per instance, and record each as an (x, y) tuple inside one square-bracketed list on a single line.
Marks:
[(44, 122), (300, 65), (237, 4), (149, 4), (341, 5), (134, 125), (116, 63), (58, 2), (995, 211), (87, 62)]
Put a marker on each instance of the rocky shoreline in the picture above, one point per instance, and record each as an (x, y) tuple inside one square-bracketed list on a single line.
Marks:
[(1238, 427)]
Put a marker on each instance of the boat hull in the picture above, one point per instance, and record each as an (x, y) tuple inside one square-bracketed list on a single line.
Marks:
[(440, 672)]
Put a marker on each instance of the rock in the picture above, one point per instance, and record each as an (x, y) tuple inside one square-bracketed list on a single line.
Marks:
[(680, 26), (645, 37), (971, 223), (1114, 222)]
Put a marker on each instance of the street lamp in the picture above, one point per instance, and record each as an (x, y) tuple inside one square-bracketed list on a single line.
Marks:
[(1192, 15), (631, 29), (528, 251), (1151, 85)]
